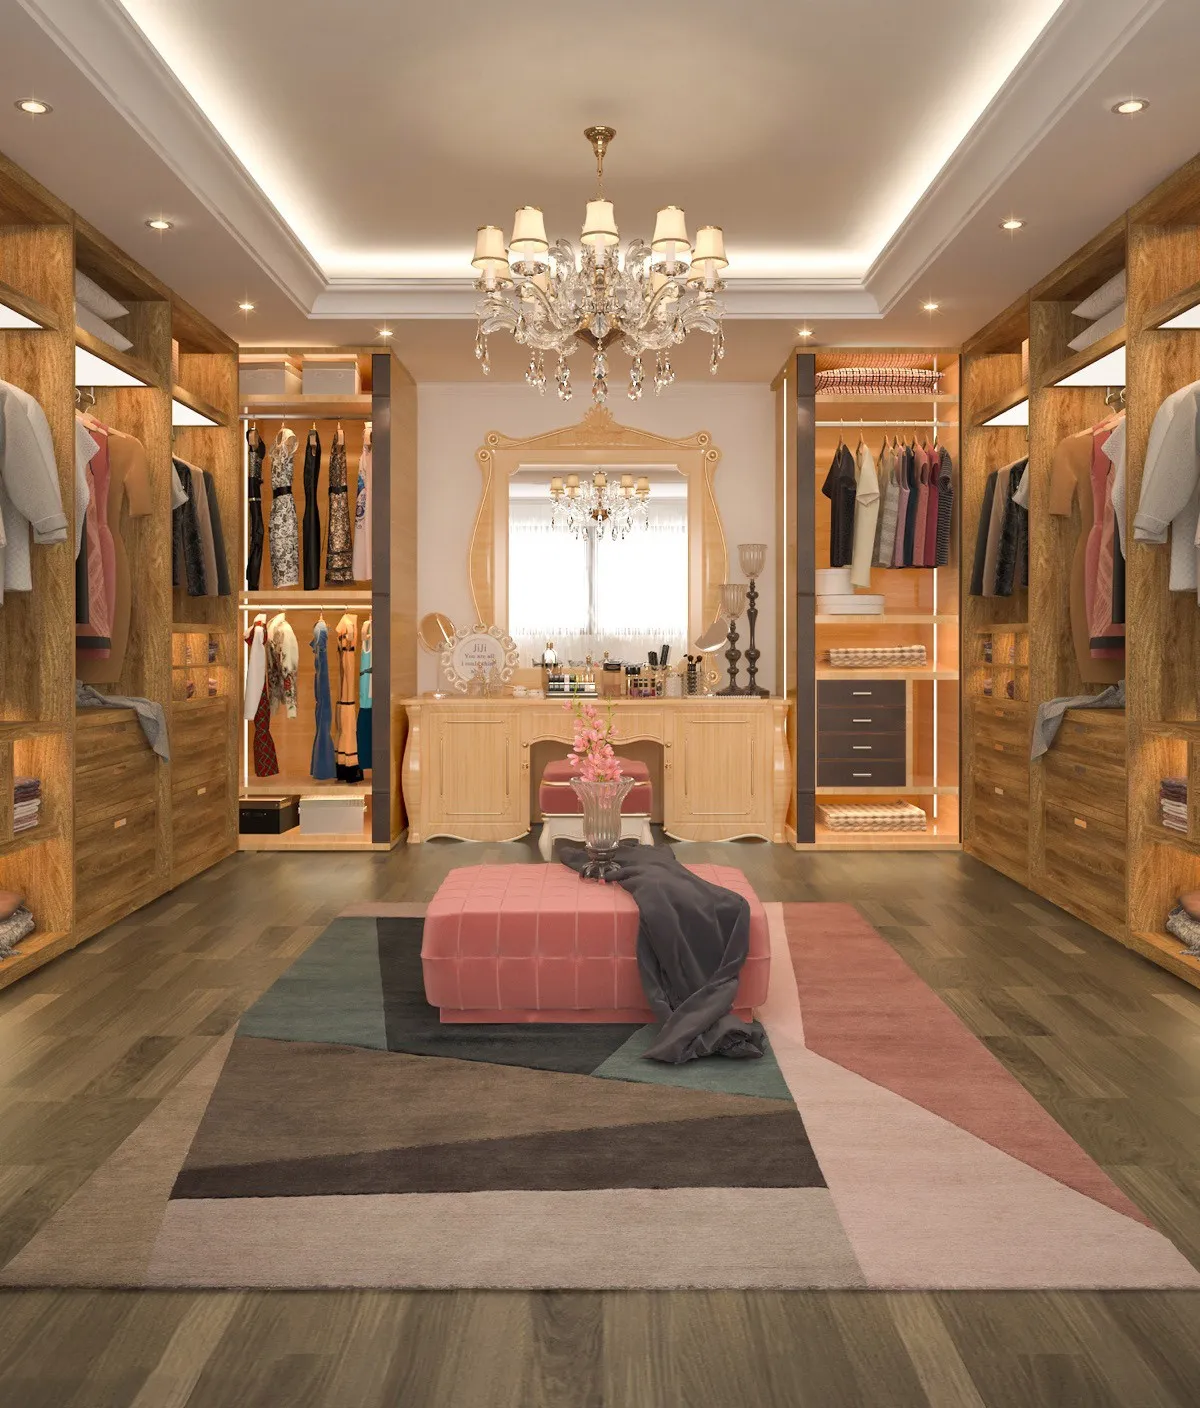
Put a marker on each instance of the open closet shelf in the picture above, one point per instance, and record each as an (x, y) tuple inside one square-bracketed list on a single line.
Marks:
[(28, 310), (916, 790), (1187, 730), (273, 786), (830, 840), (833, 672), (33, 837), (310, 407), (916, 398), (1164, 836), (890, 618), (294, 841), (19, 728), (141, 372), (1166, 951), (1163, 314), (1008, 402), (329, 598), (1078, 361), (37, 949), (182, 396)]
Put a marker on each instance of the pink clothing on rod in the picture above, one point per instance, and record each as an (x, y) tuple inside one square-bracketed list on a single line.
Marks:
[(94, 641), (902, 461), (922, 519), (1107, 638), (931, 521)]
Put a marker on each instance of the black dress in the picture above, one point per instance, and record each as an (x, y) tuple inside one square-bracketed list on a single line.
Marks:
[(841, 490), (311, 555), (254, 555)]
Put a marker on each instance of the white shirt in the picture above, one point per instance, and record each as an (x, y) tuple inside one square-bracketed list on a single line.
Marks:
[(30, 494), (866, 514), (256, 666), (1170, 497)]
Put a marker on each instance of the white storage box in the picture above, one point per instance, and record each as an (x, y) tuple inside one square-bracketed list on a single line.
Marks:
[(859, 604), (335, 375), (268, 376), (332, 815), (834, 581)]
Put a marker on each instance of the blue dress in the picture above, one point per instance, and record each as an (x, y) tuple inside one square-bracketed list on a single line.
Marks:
[(322, 754), (364, 697)]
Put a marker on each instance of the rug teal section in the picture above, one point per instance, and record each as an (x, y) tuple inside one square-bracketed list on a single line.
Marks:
[(332, 993), (760, 1077)]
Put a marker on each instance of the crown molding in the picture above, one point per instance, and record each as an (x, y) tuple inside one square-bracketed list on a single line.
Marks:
[(115, 56), (1078, 44)]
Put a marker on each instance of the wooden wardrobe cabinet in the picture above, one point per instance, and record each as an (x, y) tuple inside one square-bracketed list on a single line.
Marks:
[(474, 768), (721, 771)]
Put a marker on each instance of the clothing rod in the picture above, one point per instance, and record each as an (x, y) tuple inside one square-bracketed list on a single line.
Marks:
[(299, 419), (877, 424)]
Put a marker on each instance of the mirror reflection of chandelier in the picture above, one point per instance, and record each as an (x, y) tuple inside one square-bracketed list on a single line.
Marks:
[(596, 506), (555, 301)]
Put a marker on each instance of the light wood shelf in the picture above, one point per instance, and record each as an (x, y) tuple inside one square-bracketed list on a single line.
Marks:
[(1182, 302), (35, 836), (1077, 361), (201, 407), (1167, 952), (868, 672), (830, 840), (272, 786), (133, 366), (294, 841), (1186, 730), (889, 618), (300, 407), (1006, 402), (917, 789), (29, 308), (1165, 836), (32, 953), (930, 398), (329, 598), (15, 729)]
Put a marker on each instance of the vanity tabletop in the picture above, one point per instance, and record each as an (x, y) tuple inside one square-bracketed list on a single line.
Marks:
[(529, 701)]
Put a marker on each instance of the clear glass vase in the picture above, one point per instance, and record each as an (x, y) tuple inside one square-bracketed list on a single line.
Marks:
[(601, 822)]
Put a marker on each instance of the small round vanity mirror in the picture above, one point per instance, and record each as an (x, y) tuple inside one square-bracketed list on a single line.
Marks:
[(714, 638), (435, 632)]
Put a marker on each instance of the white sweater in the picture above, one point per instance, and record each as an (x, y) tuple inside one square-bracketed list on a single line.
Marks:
[(866, 515), (30, 495), (256, 666), (1170, 497)]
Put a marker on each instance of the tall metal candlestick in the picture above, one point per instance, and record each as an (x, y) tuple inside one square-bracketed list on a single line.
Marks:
[(752, 556), (733, 603)]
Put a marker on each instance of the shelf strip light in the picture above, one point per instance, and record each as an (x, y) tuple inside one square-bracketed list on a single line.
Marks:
[(91, 370), (1189, 318), (1108, 370), (1014, 415), (184, 415), (13, 321)]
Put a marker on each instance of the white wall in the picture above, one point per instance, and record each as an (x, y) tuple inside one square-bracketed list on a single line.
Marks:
[(454, 417)]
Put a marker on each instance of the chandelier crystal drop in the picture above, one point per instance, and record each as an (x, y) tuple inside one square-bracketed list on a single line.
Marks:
[(598, 506), (554, 299)]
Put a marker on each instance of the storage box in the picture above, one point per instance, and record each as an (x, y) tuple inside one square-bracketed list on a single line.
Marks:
[(262, 375), (332, 815), (834, 581), (268, 816), (858, 604), (334, 375)]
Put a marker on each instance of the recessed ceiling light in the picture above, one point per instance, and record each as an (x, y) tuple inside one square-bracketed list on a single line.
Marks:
[(246, 306), (930, 306), (158, 223), (385, 332), (33, 106), (1012, 223), (804, 332), (1130, 107)]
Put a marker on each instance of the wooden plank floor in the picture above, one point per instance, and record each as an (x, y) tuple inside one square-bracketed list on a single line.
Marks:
[(1105, 1040)]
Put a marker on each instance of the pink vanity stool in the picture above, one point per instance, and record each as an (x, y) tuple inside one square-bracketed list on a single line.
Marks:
[(537, 943), (562, 811)]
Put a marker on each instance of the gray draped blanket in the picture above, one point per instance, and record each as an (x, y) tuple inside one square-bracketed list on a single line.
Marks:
[(693, 938)]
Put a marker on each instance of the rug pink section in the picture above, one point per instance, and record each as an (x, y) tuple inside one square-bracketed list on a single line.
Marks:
[(865, 1009), (530, 943)]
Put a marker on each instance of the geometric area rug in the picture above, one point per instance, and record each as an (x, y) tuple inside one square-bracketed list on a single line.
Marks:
[(343, 1137)]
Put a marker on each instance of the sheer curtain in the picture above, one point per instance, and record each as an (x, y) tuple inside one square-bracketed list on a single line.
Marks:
[(589, 595)]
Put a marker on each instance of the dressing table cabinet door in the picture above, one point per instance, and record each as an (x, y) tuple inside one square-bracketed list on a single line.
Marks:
[(474, 773), (720, 773)]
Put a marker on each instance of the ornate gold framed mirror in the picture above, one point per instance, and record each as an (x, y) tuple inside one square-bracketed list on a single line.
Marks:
[(598, 440)]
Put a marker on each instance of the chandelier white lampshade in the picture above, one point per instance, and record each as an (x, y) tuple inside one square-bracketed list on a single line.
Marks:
[(598, 506), (553, 299)]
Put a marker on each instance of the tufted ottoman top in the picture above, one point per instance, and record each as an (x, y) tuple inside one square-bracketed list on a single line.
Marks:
[(556, 796)]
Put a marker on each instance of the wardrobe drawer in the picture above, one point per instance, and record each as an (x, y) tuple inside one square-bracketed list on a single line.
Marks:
[(1094, 786), (194, 766), (842, 718), (882, 694), (1093, 739), (1085, 861), (861, 747), (1000, 771), (106, 739), (115, 865), (204, 794), (1002, 723), (124, 779), (200, 726), (999, 828), (1012, 753), (202, 824), (880, 772)]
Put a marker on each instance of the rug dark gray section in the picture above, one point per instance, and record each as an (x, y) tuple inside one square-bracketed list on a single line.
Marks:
[(731, 1151), (413, 1026)]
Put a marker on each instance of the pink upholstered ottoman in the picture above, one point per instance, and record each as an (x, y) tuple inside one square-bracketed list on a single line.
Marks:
[(536, 943)]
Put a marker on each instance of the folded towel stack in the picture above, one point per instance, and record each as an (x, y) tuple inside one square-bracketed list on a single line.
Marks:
[(879, 381), (27, 803), (884, 816), (17, 924), (1172, 801), (877, 657)]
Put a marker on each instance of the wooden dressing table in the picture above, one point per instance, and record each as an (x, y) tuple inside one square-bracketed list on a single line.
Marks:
[(726, 770)]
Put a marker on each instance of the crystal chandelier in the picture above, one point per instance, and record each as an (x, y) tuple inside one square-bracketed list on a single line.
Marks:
[(555, 301), (596, 506)]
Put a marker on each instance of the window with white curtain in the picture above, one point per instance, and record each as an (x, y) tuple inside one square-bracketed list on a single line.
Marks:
[(593, 594)]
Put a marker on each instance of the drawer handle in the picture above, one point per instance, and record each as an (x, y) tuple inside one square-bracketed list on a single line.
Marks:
[(861, 747), (1080, 770), (1079, 821), (119, 823), (999, 747), (200, 791), (999, 791), (860, 721), (864, 692), (862, 774)]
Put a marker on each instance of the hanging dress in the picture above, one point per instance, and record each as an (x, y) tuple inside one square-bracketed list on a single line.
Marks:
[(93, 637), (256, 532), (346, 753), (322, 767), (362, 514), (284, 530), (312, 512), (339, 558), (257, 702), (364, 696)]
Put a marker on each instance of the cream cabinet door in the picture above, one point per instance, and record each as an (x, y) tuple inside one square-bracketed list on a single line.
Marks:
[(720, 773), (474, 775)]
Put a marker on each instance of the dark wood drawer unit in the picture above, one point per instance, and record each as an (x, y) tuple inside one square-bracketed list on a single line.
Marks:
[(863, 718), (861, 747), (836, 772), (881, 694)]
